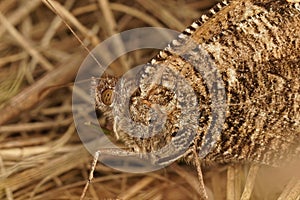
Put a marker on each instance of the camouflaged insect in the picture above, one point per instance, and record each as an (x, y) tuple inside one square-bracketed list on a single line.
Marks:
[(255, 47)]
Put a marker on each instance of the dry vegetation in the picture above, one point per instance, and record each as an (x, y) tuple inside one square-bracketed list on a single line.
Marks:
[(41, 156)]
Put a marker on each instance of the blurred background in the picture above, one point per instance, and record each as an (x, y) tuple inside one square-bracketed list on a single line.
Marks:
[(41, 156)]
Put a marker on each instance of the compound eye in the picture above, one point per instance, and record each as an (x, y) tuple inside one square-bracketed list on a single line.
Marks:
[(107, 97)]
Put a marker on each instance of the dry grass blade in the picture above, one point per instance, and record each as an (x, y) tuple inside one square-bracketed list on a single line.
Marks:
[(41, 156), (162, 13), (26, 45), (190, 178), (55, 167), (34, 126), (250, 182), (150, 20), (10, 82), (57, 21), (134, 189), (12, 58), (58, 8), (6, 5), (111, 24), (8, 192), (291, 191), (19, 14), (234, 182), (294, 194), (35, 93), (112, 27), (136, 13)]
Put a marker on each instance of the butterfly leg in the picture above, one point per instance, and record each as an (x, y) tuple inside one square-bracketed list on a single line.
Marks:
[(200, 176)]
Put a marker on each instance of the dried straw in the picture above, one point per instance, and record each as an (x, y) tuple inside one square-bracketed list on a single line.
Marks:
[(41, 156)]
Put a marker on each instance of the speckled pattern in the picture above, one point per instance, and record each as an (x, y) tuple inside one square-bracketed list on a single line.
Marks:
[(255, 47)]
